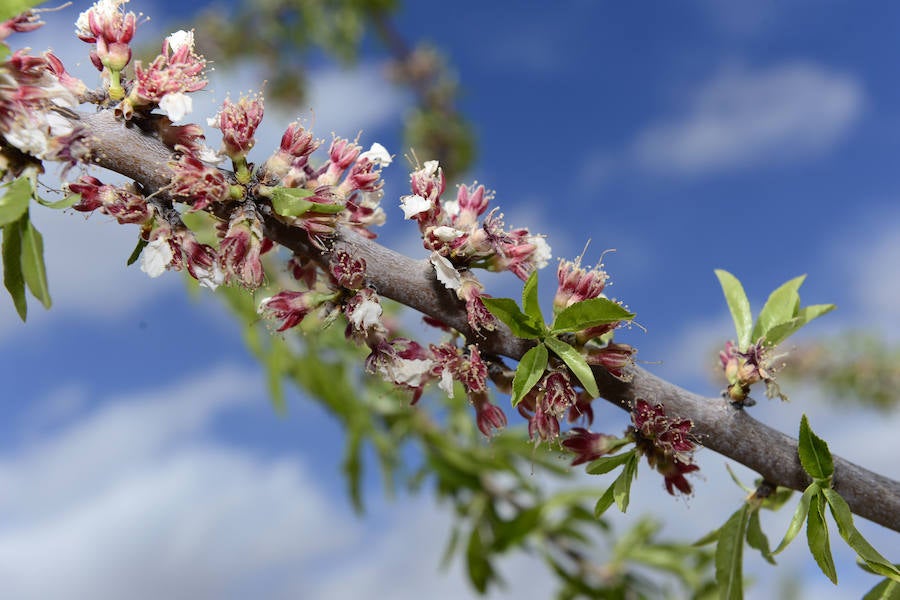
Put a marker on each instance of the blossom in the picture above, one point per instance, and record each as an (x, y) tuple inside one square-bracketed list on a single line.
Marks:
[(445, 271), (377, 154), (488, 416), (414, 205), (587, 446), (156, 257), (194, 180), (238, 123), (577, 283), (291, 307), (241, 247), (364, 310), (665, 442)]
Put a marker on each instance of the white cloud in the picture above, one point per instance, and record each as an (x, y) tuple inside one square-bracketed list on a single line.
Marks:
[(743, 117), (137, 500), (870, 259)]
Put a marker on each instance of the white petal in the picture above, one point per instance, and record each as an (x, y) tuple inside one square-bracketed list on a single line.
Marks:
[(542, 252), (413, 205), (378, 154), (446, 272), (446, 382), (180, 39), (156, 257), (446, 234), (210, 279), (451, 207), (431, 168), (176, 105), (408, 371), (366, 315), (208, 155)]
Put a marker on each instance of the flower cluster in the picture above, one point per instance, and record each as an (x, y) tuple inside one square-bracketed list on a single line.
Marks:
[(110, 28), (666, 443), (547, 403), (743, 369), (122, 203)]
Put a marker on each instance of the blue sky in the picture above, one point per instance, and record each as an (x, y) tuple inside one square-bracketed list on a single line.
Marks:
[(139, 455)]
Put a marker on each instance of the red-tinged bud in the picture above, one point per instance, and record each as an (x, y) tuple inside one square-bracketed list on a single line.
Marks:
[(342, 154), (121, 203), (197, 182), (471, 204), (543, 426), (348, 272), (22, 23), (240, 249), (488, 416), (559, 395), (615, 358), (587, 446), (428, 182), (292, 307), (304, 270), (477, 315), (674, 471), (665, 442), (577, 284), (297, 144), (582, 409), (238, 123), (201, 260), (363, 177)]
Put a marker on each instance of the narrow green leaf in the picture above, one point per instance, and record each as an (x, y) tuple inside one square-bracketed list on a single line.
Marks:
[(709, 538), (738, 305), (67, 202), (520, 324), (13, 8), (782, 306), (589, 313), (14, 201), (531, 306), (450, 548), (292, 202), (480, 570), (575, 361), (885, 590), (530, 370), (622, 485), (799, 517), (12, 267), (814, 454), (844, 519), (605, 464), (604, 502), (33, 269), (756, 538), (729, 555), (817, 537), (136, 253)]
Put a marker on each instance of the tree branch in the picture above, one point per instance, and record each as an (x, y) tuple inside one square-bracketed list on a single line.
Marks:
[(718, 425)]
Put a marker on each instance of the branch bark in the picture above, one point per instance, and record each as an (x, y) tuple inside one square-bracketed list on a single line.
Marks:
[(730, 431)]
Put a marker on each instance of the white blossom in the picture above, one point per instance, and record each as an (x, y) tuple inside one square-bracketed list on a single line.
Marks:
[(210, 279), (542, 252), (413, 205), (446, 272), (378, 154), (366, 315), (104, 9), (451, 207), (446, 382), (156, 257), (446, 233), (407, 371), (180, 39), (176, 105), (431, 168)]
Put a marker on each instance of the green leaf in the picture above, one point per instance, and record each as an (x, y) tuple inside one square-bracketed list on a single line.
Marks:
[(480, 569), (292, 202), (799, 517), (604, 502), (756, 538), (530, 370), (782, 306), (844, 519), (12, 267), (33, 269), (520, 324), (885, 590), (589, 313), (729, 555), (67, 202), (738, 305), (814, 454), (606, 464), (530, 304), (575, 361), (13, 8), (709, 538), (136, 253), (817, 537), (622, 485), (14, 202), (783, 331)]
